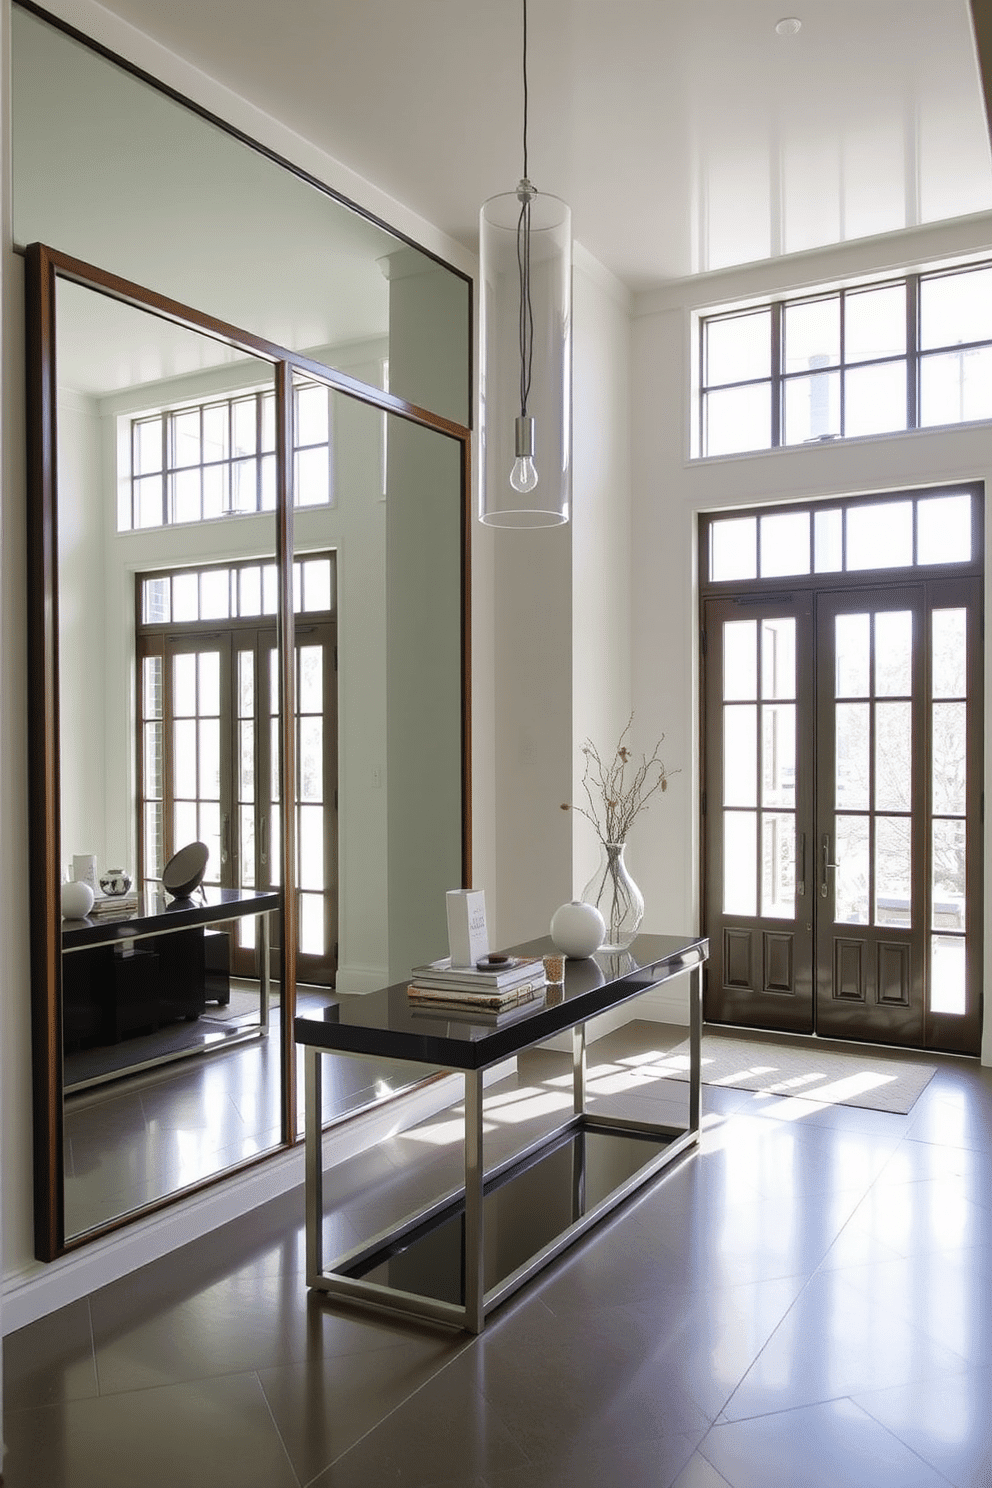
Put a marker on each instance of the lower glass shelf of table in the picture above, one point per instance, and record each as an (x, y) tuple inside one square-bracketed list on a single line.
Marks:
[(459, 1258)]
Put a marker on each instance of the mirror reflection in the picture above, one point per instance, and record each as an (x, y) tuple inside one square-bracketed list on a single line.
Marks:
[(210, 221), (169, 711)]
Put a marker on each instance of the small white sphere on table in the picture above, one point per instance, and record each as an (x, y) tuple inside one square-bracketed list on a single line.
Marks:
[(578, 929)]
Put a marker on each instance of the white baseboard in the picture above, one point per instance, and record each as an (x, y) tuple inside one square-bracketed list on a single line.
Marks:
[(39, 1289)]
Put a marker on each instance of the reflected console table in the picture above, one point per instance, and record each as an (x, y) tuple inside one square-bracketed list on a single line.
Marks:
[(125, 975), (461, 1257)]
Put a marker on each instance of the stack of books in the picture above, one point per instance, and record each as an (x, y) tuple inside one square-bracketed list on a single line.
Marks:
[(514, 983), (115, 906)]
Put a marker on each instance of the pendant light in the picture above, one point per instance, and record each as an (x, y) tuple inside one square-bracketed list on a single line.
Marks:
[(525, 393)]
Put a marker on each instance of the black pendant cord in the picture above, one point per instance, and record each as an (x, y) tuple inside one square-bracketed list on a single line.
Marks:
[(526, 323)]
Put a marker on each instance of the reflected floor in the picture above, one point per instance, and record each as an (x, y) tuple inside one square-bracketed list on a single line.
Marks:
[(139, 1138), (805, 1301)]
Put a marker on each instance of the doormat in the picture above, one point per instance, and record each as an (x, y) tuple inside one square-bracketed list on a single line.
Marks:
[(884, 1083)]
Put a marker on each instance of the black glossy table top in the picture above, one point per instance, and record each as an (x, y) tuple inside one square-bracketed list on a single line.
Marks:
[(157, 914), (387, 1024)]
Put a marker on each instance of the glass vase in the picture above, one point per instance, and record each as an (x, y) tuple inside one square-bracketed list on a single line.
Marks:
[(616, 896)]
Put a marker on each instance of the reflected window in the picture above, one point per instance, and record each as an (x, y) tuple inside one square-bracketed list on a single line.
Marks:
[(217, 459)]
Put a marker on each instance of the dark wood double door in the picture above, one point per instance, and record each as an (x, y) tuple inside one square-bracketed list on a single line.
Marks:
[(842, 812)]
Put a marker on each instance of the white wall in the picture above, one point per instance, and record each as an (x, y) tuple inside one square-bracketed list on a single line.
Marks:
[(670, 490)]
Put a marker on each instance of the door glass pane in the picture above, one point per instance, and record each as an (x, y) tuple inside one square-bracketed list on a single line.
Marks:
[(184, 822), (310, 826), (184, 685), (209, 834), (311, 924), (734, 549), (947, 974), (943, 529), (740, 888), (784, 544), (209, 697), (853, 645), (184, 759), (852, 758), (311, 679), (778, 754), (740, 755), (949, 650), (246, 760), (880, 535), (740, 659), (949, 758), (893, 756), (311, 787), (851, 873), (778, 658), (152, 750), (893, 653), (209, 738), (247, 844), (778, 865), (948, 875), (893, 880)]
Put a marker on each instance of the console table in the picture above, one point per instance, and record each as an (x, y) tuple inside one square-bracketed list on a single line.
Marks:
[(456, 1260), (130, 973)]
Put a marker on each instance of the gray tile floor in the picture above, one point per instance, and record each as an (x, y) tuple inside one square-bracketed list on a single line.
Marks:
[(805, 1303)]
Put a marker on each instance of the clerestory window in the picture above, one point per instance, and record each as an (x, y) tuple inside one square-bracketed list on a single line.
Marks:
[(910, 353), (217, 459)]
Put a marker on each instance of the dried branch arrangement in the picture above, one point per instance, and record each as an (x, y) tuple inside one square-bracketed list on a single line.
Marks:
[(619, 790)]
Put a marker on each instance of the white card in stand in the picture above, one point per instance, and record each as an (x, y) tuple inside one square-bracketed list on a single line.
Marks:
[(468, 938)]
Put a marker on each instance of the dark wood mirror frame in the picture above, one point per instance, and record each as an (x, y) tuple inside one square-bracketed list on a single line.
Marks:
[(43, 267)]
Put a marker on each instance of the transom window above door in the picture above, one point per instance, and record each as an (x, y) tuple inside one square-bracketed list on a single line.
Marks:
[(217, 458), (924, 529)]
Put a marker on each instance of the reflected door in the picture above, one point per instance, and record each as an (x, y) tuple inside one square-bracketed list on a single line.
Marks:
[(843, 813)]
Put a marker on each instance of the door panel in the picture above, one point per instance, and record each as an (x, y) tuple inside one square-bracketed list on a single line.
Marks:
[(870, 665), (842, 812), (758, 730)]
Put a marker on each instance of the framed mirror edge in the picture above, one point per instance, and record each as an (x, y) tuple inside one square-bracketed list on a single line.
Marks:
[(44, 266)]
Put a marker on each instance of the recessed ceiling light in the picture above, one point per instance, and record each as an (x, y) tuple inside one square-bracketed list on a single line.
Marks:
[(789, 26)]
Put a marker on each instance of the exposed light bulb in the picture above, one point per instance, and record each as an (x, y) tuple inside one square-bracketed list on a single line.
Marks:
[(523, 476)]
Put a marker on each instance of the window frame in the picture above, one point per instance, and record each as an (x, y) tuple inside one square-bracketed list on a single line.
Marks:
[(913, 358)]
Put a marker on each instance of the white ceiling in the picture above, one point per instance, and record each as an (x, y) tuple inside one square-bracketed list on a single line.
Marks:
[(686, 135)]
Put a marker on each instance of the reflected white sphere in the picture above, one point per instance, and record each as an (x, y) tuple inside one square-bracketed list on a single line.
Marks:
[(77, 900), (578, 929)]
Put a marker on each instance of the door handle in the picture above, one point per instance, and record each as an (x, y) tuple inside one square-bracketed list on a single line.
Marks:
[(824, 888), (225, 841), (264, 839)]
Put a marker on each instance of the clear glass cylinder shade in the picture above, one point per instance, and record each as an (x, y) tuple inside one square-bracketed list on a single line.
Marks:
[(549, 401)]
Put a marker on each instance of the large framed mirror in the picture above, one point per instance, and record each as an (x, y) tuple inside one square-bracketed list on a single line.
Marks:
[(248, 588)]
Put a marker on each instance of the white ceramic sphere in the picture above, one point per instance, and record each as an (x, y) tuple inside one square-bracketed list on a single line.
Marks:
[(77, 900), (578, 929)]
